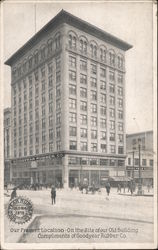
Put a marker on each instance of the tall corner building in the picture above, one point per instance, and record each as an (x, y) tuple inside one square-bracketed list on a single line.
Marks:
[(68, 104)]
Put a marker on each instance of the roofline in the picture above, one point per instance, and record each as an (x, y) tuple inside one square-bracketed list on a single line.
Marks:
[(65, 17), (138, 133)]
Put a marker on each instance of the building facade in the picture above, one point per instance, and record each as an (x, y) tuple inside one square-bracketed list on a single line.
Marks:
[(146, 156), (68, 104), (7, 145)]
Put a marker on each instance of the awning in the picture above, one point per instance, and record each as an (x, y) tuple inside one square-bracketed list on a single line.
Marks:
[(121, 178)]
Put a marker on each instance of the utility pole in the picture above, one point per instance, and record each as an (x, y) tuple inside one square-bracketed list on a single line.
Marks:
[(140, 181)]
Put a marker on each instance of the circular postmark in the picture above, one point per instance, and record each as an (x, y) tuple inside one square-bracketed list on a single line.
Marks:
[(20, 210)]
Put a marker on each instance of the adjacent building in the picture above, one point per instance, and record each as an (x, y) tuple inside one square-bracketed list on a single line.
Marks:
[(68, 104), (145, 139), (7, 145)]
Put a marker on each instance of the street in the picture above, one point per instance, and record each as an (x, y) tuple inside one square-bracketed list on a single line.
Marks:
[(78, 217)]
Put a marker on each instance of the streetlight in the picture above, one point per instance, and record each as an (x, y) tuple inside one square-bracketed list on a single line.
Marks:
[(140, 181)]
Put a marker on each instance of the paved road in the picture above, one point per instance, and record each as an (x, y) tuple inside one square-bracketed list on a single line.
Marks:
[(74, 210)]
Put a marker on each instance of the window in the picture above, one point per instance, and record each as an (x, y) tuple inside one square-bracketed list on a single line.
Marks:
[(151, 162), (120, 150), (103, 55), (120, 103), (72, 61), (103, 98), (120, 138), (144, 162), (102, 72), (112, 58), (112, 149), (50, 95), (50, 107), (103, 110), (112, 137), (93, 134), (83, 106), (83, 119), (51, 147), (72, 75), (120, 62), (104, 162), (103, 135), (72, 41), (120, 91), (50, 81), (51, 134), (136, 161), (93, 50), (43, 136), (43, 85), (120, 114), (72, 117), (72, 131), (112, 88), (94, 147), (73, 145), (37, 125), (93, 161), (58, 91), (111, 76), (72, 103), (120, 126), (50, 120), (72, 89), (93, 121), (50, 47), (103, 85), (83, 79), (43, 98), (129, 161), (83, 146), (57, 60), (58, 118), (43, 72), (58, 133), (83, 92), (37, 139), (94, 69), (120, 78), (121, 163), (50, 68), (58, 104), (103, 123), (112, 100), (93, 82), (57, 42), (112, 112), (112, 125), (83, 46), (93, 95), (58, 77), (103, 148), (43, 123), (58, 144), (83, 132), (83, 65), (93, 108)]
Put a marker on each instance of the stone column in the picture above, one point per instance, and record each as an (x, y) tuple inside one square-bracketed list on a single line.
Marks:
[(65, 172)]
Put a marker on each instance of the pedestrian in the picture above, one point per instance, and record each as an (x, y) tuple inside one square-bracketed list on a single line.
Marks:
[(53, 194), (107, 186), (119, 188), (131, 188), (13, 194)]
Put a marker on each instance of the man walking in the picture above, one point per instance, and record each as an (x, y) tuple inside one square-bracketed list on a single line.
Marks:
[(107, 186), (53, 194)]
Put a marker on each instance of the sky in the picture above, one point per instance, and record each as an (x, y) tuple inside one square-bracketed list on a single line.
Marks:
[(129, 21)]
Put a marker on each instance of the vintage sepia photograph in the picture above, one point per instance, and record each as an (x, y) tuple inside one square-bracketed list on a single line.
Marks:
[(78, 124)]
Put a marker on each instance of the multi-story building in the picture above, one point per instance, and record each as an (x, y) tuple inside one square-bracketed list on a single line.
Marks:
[(7, 145), (68, 104), (145, 139)]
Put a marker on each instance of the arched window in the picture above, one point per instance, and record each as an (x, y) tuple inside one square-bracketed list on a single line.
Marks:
[(93, 50), (50, 46), (112, 58), (36, 57), (83, 45), (43, 52), (103, 54), (30, 62), (24, 66), (57, 41), (120, 61), (72, 40)]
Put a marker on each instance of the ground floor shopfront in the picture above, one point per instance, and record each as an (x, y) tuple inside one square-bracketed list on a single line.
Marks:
[(66, 169)]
